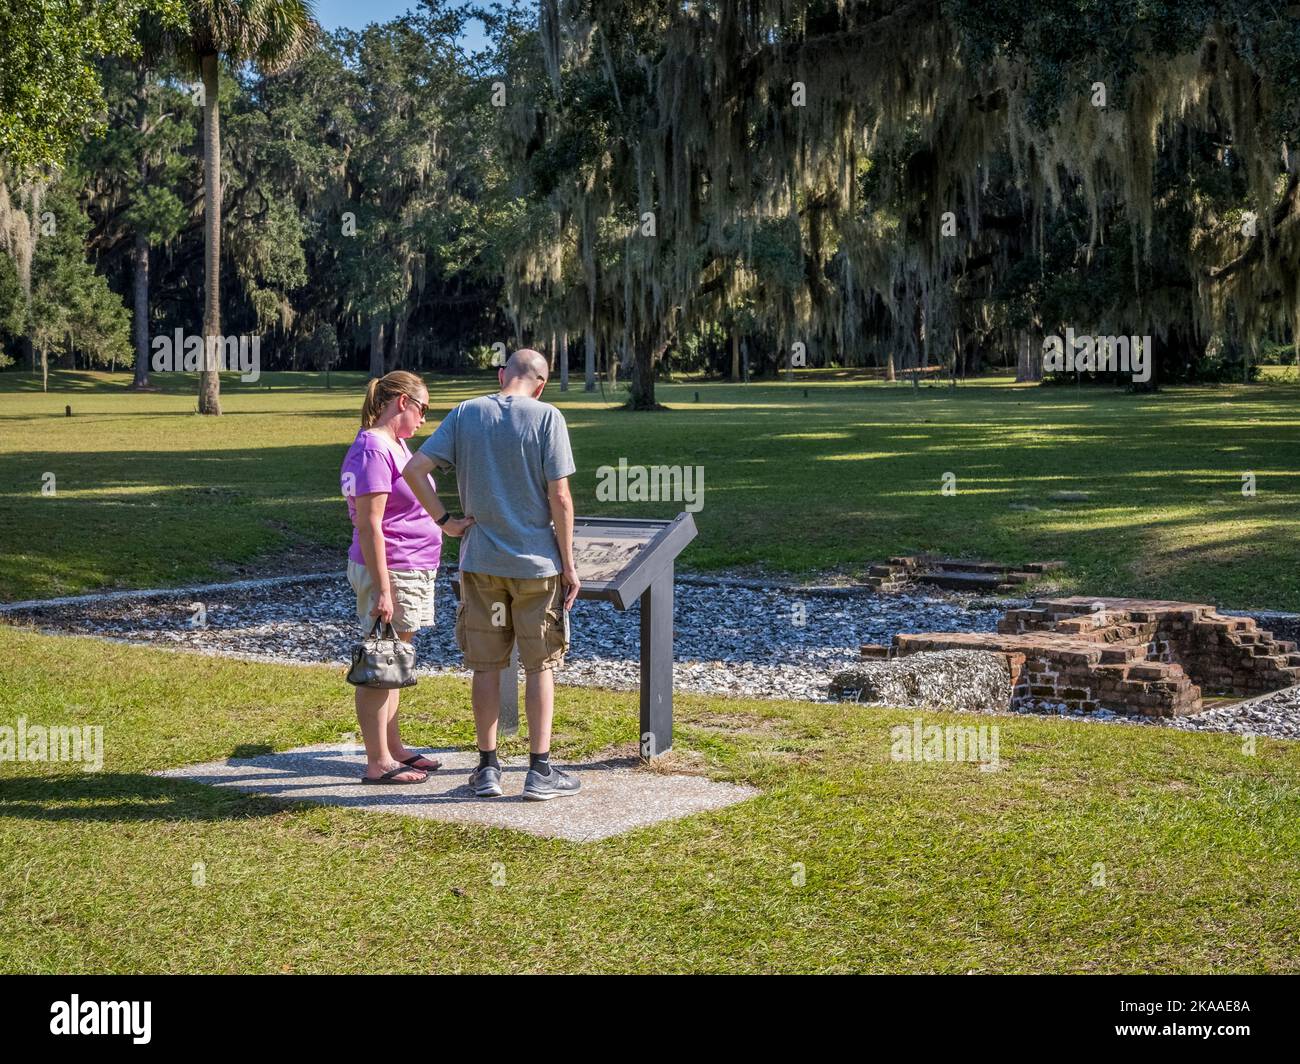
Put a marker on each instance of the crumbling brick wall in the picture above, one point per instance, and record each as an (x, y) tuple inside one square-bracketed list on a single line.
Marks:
[(1132, 655)]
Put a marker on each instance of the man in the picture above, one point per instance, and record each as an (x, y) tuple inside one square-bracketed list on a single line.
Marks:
[(517, 578)]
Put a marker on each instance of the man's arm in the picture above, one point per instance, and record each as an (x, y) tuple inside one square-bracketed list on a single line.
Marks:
[(557, 494), (416, 474)]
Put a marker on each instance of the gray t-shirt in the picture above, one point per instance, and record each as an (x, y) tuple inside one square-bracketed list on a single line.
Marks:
[(504, 448)]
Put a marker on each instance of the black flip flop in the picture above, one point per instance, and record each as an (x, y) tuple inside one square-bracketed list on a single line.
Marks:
[(387, 777), (422, 757)]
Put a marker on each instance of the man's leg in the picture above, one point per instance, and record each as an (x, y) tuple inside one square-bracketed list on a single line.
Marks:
[(484, 640), (539, 705), (486, 695), (540, 632), (485, 691)]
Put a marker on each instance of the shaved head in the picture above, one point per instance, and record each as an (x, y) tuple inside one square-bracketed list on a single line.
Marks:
[(525, 363)]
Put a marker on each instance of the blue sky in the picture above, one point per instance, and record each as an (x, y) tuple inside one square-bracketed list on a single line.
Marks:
[(356, 14)]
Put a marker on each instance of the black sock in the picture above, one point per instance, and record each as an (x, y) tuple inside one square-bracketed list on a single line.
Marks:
[(488, 758), (540, 763)]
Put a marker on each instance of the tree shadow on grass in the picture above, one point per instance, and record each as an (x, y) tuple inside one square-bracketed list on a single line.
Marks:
[(126, 797)]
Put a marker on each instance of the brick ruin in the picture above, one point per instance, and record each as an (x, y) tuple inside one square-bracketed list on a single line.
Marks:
[(1132, 655), (955, 575)]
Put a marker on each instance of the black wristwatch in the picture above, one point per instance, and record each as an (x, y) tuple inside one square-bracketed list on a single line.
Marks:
[(443, 519)]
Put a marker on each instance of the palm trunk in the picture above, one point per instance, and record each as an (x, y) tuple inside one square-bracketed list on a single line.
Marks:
[(209, 381)]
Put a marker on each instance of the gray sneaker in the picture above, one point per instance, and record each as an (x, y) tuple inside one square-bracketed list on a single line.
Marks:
[(486, 782), (539, 788)]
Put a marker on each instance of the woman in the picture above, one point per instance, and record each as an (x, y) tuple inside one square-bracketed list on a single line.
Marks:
[(393, 561)]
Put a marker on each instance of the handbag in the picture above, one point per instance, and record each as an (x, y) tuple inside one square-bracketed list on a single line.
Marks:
[(382, 660)]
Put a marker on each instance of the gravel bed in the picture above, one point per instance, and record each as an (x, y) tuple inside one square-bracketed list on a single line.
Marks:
[(732, 637), (736, 640), (1275, 715)]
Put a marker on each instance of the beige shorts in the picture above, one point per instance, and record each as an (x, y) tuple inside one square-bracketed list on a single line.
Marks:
[(496, 612), (412, 596)]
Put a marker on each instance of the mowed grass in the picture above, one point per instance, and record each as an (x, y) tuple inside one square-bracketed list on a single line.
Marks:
[(149, 493), (1093, 848)]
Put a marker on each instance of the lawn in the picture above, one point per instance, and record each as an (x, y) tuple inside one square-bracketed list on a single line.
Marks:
[(1093, 848), (148, 493)]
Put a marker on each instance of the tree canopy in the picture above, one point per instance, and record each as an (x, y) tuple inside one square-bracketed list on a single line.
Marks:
[(891, 183)]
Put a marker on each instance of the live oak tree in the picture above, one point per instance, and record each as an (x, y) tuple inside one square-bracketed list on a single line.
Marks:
[(874, 132)]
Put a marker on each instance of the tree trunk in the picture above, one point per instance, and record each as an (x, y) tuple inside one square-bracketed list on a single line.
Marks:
[(395, 360), (890, 373), (1028, 369), (209, 381), (564, 362), (590, 385), (376, 346), (45, 371), (23, 262), (141, 322), (642, 382), (735, 356)]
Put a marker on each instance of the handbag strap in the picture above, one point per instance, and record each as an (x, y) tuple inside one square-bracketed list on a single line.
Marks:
[(387, 631)]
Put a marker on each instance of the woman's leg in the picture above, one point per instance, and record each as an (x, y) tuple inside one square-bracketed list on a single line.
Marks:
[(392, 732), (372, 715)]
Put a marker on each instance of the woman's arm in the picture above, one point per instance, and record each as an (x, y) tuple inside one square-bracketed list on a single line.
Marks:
[(416, 474), (370, 538)]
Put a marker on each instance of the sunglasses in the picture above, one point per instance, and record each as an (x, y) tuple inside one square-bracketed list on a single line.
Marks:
[(424, 407)]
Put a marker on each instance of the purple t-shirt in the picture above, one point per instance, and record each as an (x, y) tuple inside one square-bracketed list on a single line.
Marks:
[(374, 463)]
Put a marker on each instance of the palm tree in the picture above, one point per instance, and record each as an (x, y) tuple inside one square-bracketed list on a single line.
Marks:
[(272, 35)]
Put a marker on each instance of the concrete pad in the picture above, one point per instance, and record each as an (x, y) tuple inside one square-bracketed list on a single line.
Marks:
[(615, 796)]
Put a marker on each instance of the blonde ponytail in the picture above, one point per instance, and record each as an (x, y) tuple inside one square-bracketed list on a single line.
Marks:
[(383, 390)]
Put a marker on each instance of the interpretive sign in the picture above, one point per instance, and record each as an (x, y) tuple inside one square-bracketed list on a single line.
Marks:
[(626, 561)]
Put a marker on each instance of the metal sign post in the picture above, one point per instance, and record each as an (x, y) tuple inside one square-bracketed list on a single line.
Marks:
[(625, 561)]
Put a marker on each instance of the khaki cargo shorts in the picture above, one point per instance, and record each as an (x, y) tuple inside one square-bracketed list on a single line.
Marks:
[(412, 596), (496, 612)]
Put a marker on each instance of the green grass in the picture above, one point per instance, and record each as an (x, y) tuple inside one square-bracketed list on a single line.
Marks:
[(148, 493), (909, 867)]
